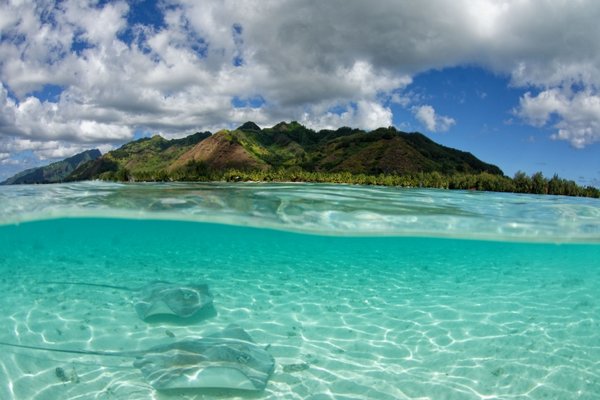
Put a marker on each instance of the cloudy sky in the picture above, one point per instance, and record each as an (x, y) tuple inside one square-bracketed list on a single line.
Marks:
[(516, 82)]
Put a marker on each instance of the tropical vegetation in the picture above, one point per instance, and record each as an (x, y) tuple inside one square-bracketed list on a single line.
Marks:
[(484, 181), (290, 152)]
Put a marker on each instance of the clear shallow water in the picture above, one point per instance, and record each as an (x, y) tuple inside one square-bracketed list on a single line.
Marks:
[(341, 210), (349, 314)]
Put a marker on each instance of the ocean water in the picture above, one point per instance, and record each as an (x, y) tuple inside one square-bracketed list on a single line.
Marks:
[(357, 292)]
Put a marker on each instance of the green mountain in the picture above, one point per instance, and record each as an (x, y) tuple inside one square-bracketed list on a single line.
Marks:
[(147, 159), (55, 172), (285, 146), (292, 152)]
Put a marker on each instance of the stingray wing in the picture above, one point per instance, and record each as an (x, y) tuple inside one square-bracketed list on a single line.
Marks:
[(163, 298), (221, 361)]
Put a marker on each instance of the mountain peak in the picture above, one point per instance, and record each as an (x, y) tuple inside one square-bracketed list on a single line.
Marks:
[(287, 145), (287, 126), (249, 126)]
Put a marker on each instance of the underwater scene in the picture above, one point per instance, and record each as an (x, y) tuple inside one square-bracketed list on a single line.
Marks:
[(296, 291)]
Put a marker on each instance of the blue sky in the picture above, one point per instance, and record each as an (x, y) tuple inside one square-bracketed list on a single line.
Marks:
[(516, 83), (484, 106)]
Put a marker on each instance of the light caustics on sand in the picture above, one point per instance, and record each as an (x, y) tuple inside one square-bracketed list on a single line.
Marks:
[(343, 210), (229, 359), (365, 311)]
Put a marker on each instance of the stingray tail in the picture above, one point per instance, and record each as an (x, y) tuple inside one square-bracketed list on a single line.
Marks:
[(85, 284), (86, 352)]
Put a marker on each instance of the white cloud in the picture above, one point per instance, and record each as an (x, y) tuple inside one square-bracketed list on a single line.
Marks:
[(431, 120), (7, 112), (9, 162), (372, 115), (537, 110), (577, 114), (365, 114), (60, 152), (96, 25), (45, 121), (426, 114), (43, 150), (303, 58)]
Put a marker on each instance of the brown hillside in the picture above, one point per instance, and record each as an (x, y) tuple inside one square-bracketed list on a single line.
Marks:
[(220, 152)]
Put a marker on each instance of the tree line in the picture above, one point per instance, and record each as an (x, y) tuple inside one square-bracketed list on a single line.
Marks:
[(536, 183)]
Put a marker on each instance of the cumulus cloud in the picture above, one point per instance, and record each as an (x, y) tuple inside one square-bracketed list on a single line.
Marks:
[(366, 114), (303, 58), (537, 109), (42, 149), (188, 80), (7, 113), (578, 114), (431, 120)]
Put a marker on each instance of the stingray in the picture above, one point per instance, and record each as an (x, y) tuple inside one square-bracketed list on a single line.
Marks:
[(161, 300), (226, 360)]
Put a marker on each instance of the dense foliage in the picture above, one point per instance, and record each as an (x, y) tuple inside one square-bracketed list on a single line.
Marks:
[(484, 181), (290, 152), (283, 147)]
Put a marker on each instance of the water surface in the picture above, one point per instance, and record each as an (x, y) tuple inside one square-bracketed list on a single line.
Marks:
[(361, 292)]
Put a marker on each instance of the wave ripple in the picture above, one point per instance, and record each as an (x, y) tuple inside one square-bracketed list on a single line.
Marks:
[(344, 210)]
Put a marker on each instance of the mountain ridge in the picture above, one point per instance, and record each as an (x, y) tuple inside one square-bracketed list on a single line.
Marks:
[(286, 145), (54, 172), (289, 151)]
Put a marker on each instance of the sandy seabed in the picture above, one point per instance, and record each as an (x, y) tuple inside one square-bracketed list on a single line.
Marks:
[(344, 318)]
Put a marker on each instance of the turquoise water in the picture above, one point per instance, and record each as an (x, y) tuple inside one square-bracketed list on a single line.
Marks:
[(357, 292)]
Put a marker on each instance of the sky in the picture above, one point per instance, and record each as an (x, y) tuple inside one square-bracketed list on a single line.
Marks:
[(515, 82)]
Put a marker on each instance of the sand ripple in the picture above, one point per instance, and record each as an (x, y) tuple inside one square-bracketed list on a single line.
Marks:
[(344, 318)]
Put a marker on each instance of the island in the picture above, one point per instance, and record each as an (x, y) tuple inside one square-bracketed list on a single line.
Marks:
[(291, 152)]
